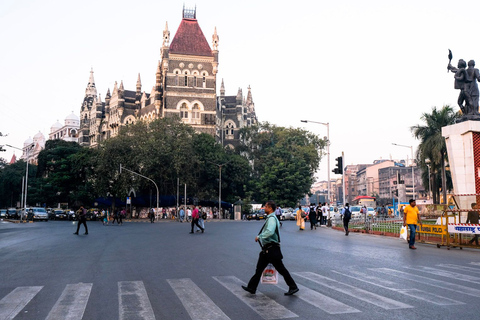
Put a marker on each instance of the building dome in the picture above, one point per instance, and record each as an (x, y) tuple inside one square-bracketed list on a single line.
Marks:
[(57, 125), (28, 141), (38, 136), (72, 119)]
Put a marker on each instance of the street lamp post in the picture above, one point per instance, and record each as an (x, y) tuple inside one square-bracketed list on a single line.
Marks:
[(27, 148), (413, 173), (138, 174), (427, 162), (328, 153), (219, 185)]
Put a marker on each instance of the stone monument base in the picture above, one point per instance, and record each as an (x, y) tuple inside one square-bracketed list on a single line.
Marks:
[(463, 148)]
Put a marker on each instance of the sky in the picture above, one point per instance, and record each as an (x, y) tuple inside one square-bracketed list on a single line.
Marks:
[(368, 68)]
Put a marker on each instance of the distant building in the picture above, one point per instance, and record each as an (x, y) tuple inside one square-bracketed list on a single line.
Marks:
[(32, 147), (185, 87), (234, 113), (68, 131)]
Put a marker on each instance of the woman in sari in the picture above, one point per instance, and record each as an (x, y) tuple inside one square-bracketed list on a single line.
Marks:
[(300, 218)]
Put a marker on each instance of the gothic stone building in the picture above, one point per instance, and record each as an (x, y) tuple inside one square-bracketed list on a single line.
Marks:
[(185, 86)]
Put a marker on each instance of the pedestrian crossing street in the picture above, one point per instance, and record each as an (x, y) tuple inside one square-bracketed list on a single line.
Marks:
[(333, 293)]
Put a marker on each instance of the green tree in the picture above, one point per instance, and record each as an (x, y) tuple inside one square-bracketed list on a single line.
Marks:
[(284, 162), (63, 174), (11, 177), (432, 147)]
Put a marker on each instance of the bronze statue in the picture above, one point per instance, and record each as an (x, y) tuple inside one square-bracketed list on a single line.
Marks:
[(466, 81)]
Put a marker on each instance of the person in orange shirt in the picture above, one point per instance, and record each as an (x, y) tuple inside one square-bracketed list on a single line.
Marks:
[(411, 217)]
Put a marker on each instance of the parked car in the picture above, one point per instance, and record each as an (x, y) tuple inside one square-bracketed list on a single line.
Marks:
[(287, 214), (251, 216), (3, 214), (355, 210), (71, 214), (93, 214), (37, 213), (12, 213), (59, 214)]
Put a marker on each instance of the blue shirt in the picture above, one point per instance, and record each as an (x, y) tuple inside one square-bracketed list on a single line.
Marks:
[(268, 234)]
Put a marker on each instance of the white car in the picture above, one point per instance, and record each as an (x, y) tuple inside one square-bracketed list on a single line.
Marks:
[(355, 210)]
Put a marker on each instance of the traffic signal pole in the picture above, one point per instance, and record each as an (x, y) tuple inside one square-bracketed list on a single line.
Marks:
[(343, 178)]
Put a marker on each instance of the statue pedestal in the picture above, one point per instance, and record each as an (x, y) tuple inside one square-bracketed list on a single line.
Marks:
[(463, 147)]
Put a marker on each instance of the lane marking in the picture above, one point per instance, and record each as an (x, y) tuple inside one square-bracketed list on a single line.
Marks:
[(321, 301), (260, 303), (195, 301), (72, 303), (369, 297), (418, 294), (15, 301), (447, 274), (133, 302), (458, 267), (431, 282)]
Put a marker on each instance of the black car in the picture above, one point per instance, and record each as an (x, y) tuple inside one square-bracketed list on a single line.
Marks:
[(59, 214), (12, 213)]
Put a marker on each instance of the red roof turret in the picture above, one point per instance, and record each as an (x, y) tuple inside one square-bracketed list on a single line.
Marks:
[(190, 40)]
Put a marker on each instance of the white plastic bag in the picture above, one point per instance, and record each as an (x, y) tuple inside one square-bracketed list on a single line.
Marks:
[(269, 275), (403, 233)]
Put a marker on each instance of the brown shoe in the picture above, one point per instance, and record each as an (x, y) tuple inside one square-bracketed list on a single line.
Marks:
[(412, 247)]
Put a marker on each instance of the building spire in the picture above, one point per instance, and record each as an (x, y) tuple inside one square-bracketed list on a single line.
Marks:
[(91, 90), (139, 86), (222, 88), (215, 40), (166, 35), (249, 96)]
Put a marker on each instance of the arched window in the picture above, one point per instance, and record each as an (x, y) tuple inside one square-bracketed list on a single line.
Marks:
[(176, 77), (196, 112), (184, 111), (229, 127), (186, 79)]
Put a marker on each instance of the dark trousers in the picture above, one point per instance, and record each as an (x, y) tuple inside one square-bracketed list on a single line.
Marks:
[(152, 218), (263, 261), (475, 238), (115, 218), (84, 222), (120, 217), (195, 222), (345, 224), (313, 223)]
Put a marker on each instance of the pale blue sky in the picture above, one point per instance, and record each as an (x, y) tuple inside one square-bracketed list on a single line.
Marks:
[(369, 68)]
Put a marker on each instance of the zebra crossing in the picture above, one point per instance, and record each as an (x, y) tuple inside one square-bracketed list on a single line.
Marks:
[(331, 293)]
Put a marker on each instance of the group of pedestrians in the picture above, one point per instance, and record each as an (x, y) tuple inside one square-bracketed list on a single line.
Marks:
[(318, 215)]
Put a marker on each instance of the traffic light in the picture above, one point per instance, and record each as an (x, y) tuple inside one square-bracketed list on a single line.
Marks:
[(339, 168)]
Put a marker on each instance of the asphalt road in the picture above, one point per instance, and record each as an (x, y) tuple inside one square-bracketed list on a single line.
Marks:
[(160, 271)]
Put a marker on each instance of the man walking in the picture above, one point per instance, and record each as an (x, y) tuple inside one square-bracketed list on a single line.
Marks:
[(82, 219), (182, 214), (347, 215), (411, 217), (278, 214), (195, 217), (269, 238), (473, 219), (152, 215)]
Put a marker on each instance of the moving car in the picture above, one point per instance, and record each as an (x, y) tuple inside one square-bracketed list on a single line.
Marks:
[(37, 213), (59, 214), (3, 214)]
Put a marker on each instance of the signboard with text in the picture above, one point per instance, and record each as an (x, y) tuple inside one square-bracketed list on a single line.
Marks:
[(464, 228), (432, 229)]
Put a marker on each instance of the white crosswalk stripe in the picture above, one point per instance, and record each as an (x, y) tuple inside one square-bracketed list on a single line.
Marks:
[(321, 301), (431, 282), (458, 267), (72, 303), (369, 297), (419, 294), (261, 304), (16, 300), (447, 274), (133, 302), (195, 301)]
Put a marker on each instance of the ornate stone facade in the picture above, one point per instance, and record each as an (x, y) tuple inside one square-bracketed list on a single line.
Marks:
[(185, 87)]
